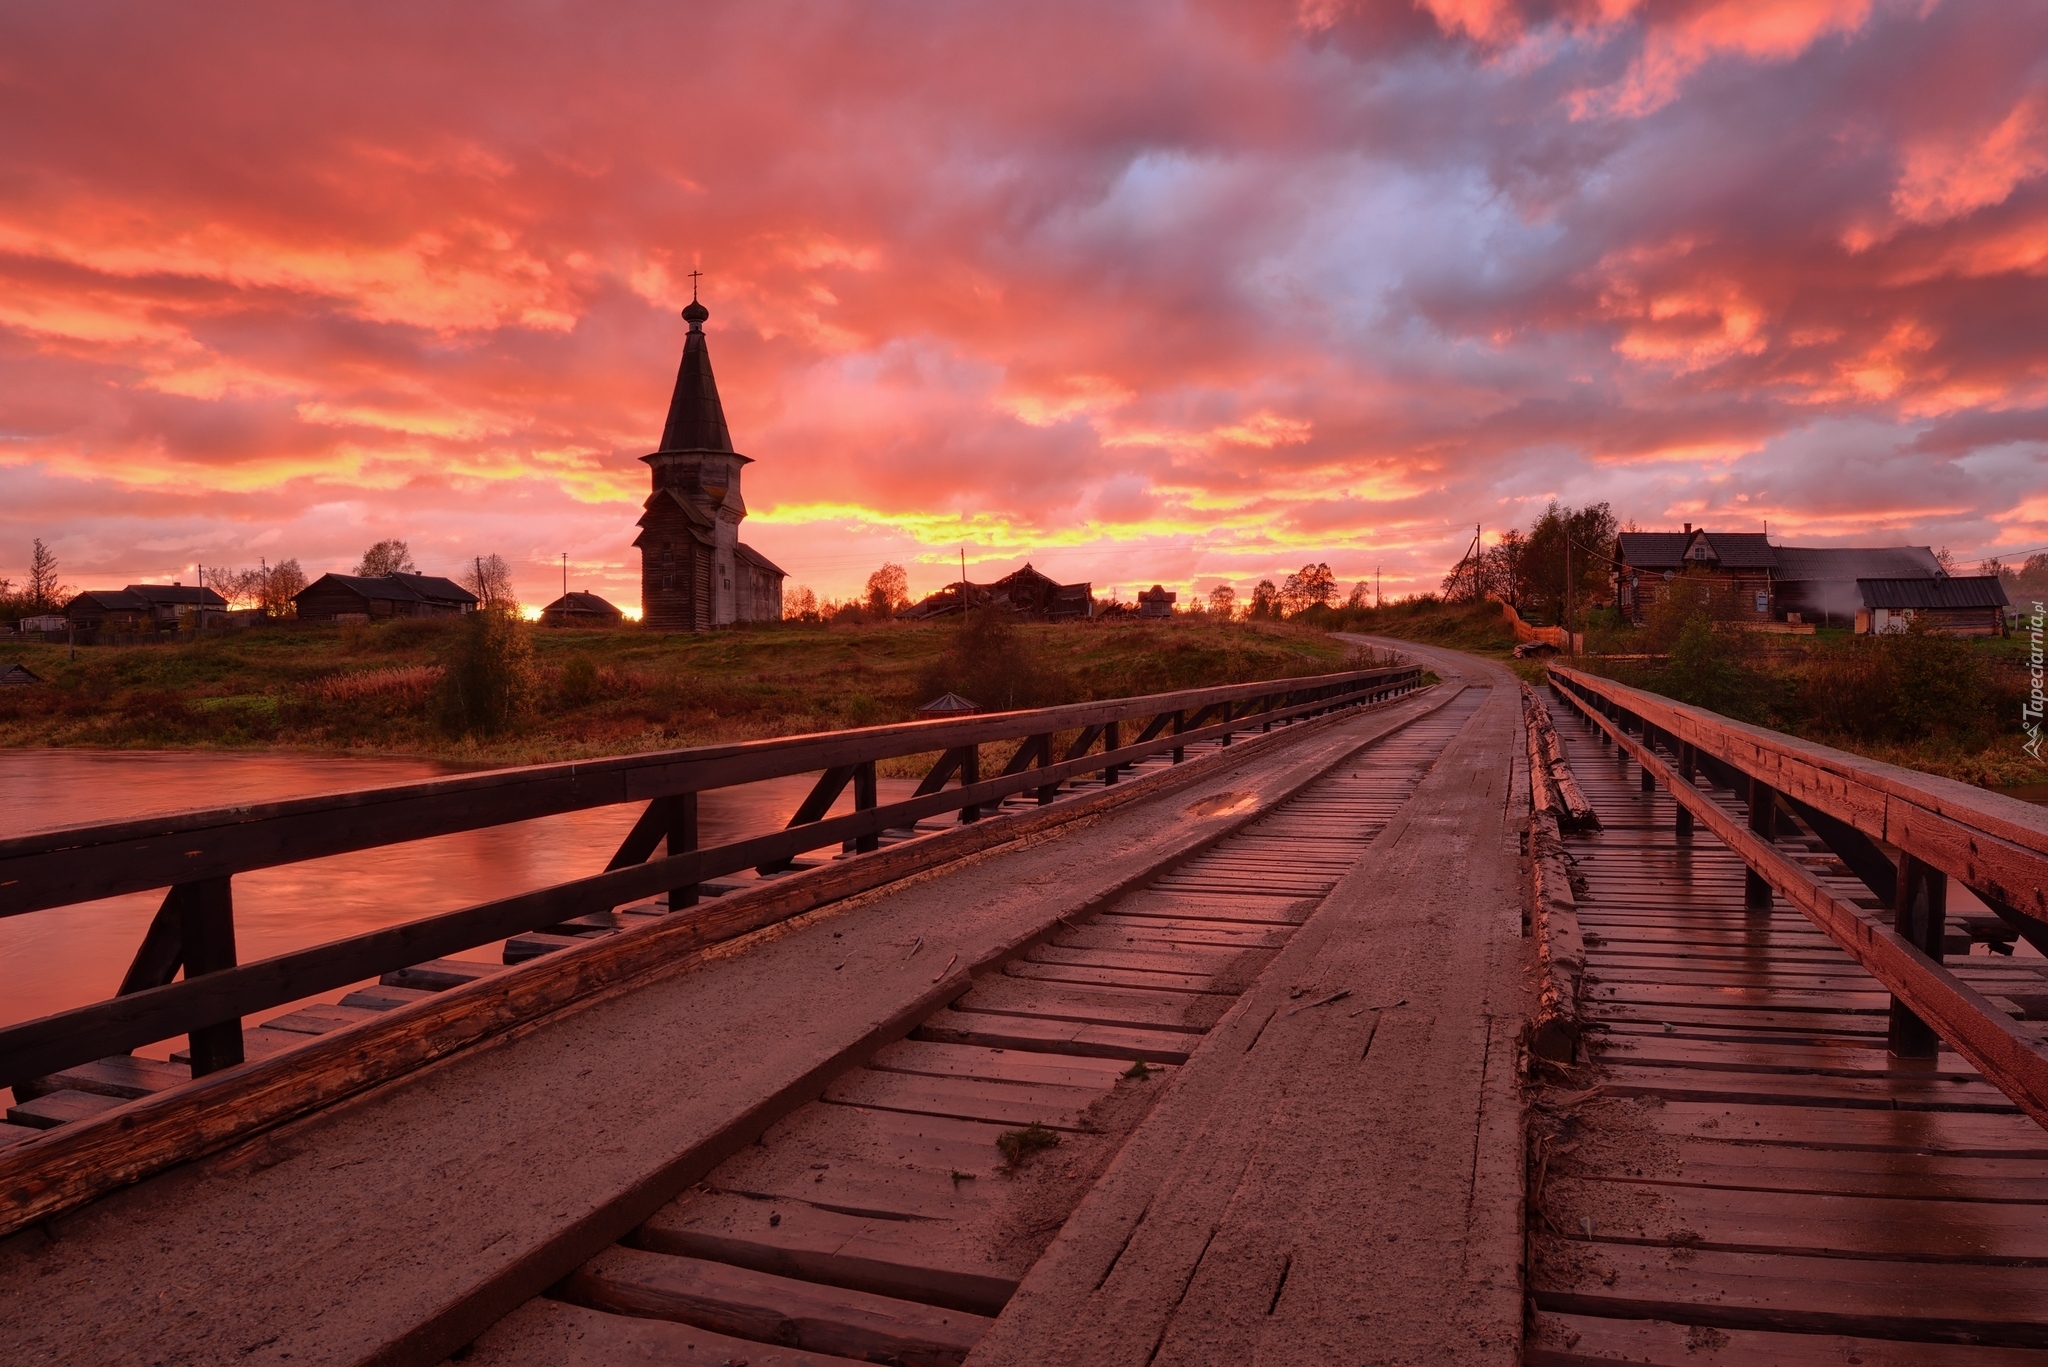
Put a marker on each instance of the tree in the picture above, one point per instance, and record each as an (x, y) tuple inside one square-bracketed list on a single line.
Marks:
[(1310, 587), (490, 579), (799, 604), (1500, 569), (1223, 601), (387, 557), (42, 590), (1540, 579), (888, 590), (1947, 560), (1361, 596), (279, 585), (1265, 600)]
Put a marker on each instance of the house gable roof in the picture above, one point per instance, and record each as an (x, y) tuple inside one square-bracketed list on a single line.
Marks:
[(109, 600), (177, 594), (1973, 591), (582, 602), (381, 588), (1671, 550), (760, 561), (434, 589)]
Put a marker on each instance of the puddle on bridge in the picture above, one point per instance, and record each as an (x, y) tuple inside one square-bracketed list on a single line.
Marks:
[(72, 956)]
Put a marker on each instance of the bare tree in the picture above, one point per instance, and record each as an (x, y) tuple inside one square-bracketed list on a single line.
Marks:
[(1223, 601), (888, 590), (42, 589), (799, 604), (387, 557), (1947, 560), (490, 579)]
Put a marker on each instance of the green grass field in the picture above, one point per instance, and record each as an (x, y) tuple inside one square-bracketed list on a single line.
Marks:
[(378, 689)]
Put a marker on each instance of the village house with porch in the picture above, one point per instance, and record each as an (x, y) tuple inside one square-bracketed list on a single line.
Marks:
[(1864, 588)]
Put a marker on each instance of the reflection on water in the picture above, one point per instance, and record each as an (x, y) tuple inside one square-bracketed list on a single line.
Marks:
[(2029, 792), (70, 956)]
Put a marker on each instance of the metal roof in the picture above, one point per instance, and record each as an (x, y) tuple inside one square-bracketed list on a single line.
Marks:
[(581, 602), (1857, 562), (435, 589), (177, 593), (1974, 591)]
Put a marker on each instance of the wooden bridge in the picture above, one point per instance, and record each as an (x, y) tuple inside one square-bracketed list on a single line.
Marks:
[(1381, 1017)]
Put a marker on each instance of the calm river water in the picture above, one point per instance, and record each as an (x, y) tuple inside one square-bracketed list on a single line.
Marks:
[(70, 956)]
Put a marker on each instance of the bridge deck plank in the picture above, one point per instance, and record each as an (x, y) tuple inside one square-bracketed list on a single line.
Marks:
[(1752, 1177)]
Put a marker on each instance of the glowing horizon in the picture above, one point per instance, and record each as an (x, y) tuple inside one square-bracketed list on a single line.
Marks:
[(1188, 295)]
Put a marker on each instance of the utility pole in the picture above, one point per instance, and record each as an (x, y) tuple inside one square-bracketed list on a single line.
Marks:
[(1566, 614), (565, 574), (1379, 600)]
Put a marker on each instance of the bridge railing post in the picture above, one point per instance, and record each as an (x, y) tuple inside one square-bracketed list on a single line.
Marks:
[(1688, 766), (679, 811), (1649, 781), (206, 925), (1180, 725), (1920, 915), (864, 800), (1763, 821)]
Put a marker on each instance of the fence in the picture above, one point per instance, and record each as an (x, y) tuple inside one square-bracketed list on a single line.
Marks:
[(195, 855), (1902, 834)]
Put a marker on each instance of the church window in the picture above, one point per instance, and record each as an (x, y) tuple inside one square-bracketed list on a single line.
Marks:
[(668, 583)]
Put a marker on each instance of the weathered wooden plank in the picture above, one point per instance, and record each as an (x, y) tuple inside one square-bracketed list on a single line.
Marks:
[(771, 1309), (1815, 1225), (1588, 1341), (1014, 1065), (60, 1108), (921, 1260), (1058, 1037), (1056, 1106), (1095, 1004), (1966, 1303), (552, 1333), (122, 1076)]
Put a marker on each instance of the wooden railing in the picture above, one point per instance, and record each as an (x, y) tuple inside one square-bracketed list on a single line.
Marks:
[(197, 854), (1903, 834)]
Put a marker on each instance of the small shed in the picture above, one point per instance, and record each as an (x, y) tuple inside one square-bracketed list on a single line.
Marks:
[(581, 610), (48, 621), (1973, 605), (1157, 601), (18, 675), (948, 705)]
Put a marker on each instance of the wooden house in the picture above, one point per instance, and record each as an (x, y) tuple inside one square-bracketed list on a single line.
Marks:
[(178, 604), (695, 573), (1157, 602), (365, 598), (1733, 567), (108, 610), (1961, 606), (18, 676), (1034, 596), (581, 610)]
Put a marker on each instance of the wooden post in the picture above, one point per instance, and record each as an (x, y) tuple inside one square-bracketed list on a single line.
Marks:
[(1649, 784), (970, 774), (206, 929), (1051, 790), (681, 813), (1688, 763), (864, 800), (1180, 724), (1109, 743), (1763, 820), (1920, 914)]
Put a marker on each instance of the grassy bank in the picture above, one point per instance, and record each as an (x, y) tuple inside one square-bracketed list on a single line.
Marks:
[(386, 689)]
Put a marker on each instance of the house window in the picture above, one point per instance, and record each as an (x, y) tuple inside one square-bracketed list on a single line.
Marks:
[(668, 583), (1763, 603)]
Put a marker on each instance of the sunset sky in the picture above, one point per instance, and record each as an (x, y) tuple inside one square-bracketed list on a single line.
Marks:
[(1137, 291)]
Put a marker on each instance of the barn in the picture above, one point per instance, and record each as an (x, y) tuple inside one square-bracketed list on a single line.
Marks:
[(366, 598), (1962, 606)]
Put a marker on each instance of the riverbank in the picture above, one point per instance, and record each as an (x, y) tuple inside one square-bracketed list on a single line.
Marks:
[(378, 690)]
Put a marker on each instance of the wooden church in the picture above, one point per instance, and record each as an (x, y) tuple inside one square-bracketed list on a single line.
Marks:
[(695, 572)]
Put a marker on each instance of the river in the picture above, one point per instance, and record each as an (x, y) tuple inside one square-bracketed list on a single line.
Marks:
[(71, 956)]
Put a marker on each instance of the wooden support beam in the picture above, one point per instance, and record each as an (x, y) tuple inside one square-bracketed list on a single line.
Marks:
[(1920, 916), (647, 834), (865, 796), (943, 769), (1180, 753), (681, 838), (1083, 743), (1763, 819), (162, 952), (970, 774), (206, 930), (1109, 743), (812, 809), (1855, 849)]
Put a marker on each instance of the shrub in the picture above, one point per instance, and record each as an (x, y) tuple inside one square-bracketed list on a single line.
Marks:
[(489, 683), (993, 664), (578, 684)]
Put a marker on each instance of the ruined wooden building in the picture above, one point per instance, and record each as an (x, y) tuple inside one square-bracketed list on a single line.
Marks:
[(1027, 593)]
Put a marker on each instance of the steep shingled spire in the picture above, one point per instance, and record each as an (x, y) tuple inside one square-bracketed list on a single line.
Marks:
[(696, 420)]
